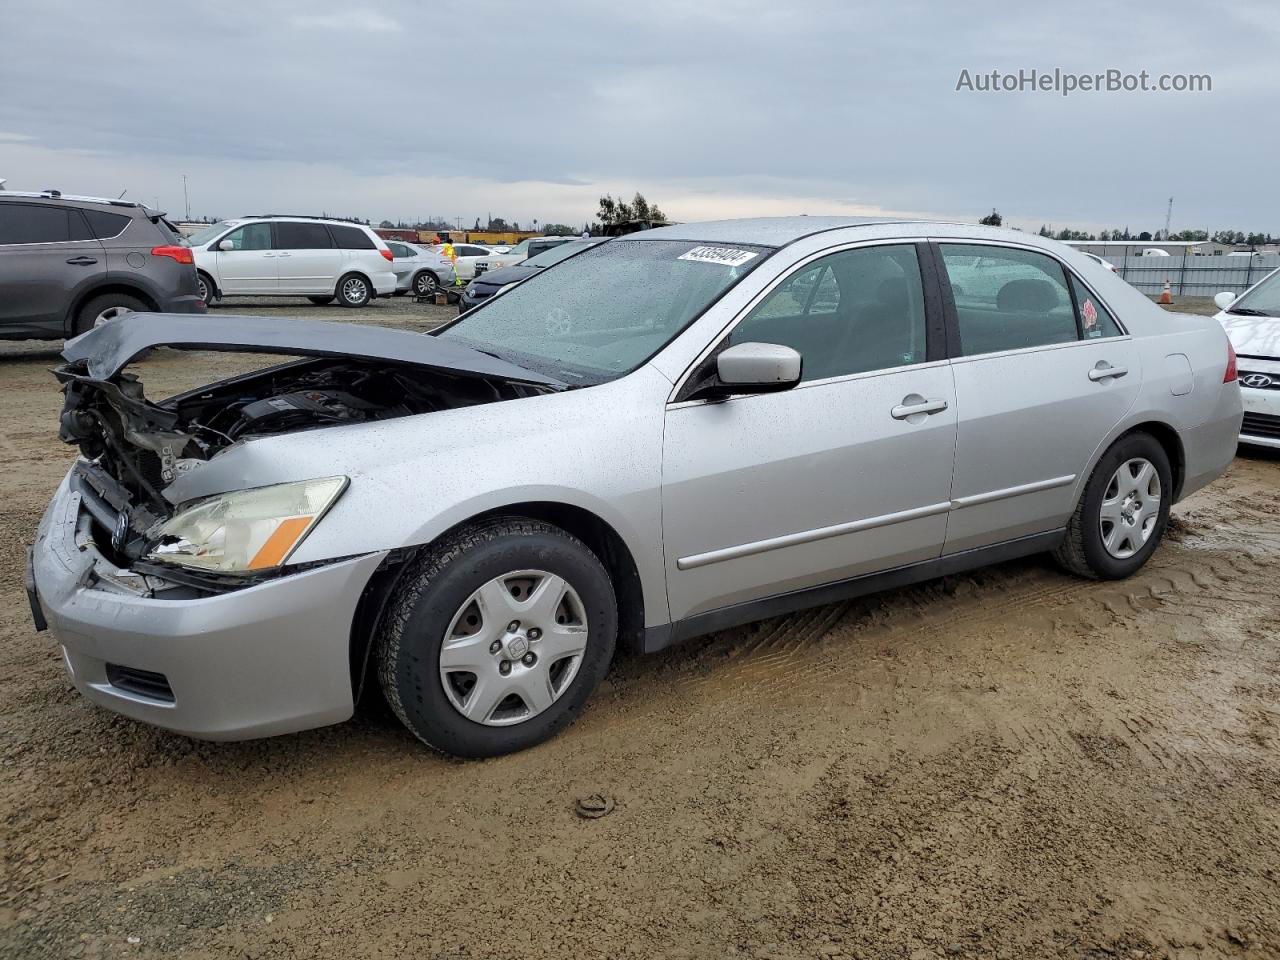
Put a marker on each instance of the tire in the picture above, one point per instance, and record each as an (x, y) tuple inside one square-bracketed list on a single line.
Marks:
[(354, 290), (439, 595), (425, 283), (208, 289), (320, 301), (1115, 529), (104, 307)]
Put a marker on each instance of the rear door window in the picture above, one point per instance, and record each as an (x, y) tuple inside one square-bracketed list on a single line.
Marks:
[(291, 235), (36, 223), (1007, 298), (351, 238)]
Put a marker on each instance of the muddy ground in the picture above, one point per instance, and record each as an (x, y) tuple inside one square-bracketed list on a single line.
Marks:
[(1011, 764)]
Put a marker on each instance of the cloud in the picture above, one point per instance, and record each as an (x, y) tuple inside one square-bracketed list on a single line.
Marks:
[(727, 107), (358, 20)]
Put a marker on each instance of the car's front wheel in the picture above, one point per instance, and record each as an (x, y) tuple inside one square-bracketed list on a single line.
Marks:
[(496, 637), (1123, 512), (354, 291), (208, 289)]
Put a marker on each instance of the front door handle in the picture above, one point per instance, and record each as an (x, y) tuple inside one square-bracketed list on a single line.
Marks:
[(914, 405), (82, 261), (1104, 370), (282, 254)]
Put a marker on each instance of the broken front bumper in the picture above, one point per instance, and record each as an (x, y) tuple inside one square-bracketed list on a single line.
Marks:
[(263, 660)]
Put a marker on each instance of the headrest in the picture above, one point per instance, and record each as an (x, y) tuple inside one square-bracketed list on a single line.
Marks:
[(1027, 296)]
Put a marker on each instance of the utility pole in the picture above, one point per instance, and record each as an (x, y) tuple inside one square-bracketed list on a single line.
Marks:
[(1168, 218), (186, 200)]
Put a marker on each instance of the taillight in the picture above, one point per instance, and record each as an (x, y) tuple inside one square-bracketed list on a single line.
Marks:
[(386, 255), (181, 254), (1230, 375)]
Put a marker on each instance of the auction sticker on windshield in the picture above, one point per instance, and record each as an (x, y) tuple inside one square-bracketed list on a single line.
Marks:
[(725, 256)]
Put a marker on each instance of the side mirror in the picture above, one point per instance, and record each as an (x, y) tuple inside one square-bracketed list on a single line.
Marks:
[(749, 368), (226, 245), (1224, 299)]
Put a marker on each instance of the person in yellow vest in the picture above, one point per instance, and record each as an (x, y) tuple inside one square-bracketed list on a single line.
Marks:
[(446, 250)]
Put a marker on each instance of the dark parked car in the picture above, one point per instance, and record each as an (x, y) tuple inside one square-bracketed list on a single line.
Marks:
[(70, 263), (490, 282)]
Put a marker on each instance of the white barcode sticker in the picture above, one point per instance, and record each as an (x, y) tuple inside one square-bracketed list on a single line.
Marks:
[(725, 256)]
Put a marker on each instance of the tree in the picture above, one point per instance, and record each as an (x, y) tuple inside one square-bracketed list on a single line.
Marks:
[(497, 225), (386, 225), (1144, 237), (993, 219), (619, 211), (557, 230)]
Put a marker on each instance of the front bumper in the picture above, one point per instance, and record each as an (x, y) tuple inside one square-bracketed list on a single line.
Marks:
[(268, 659), (1261, 417)]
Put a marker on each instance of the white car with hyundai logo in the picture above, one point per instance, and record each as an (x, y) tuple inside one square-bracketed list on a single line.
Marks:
[(1252, 321)]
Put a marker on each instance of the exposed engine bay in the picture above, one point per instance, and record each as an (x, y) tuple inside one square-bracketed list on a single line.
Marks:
[(138, 447)]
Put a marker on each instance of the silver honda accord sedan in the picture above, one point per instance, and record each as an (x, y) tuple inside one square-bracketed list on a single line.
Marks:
[(667, 434)]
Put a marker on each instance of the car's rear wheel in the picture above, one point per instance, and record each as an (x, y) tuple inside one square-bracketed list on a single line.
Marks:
[(354, 291), (320, 301), (496, 637), (1123, 512), (106, 307), (208, 290), (425, 283)]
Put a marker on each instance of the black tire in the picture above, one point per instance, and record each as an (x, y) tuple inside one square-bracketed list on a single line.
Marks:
[(354, 290), (431, 593), (105, 304), (425, 283), (208, 289), (321, 301), (1083, 552)]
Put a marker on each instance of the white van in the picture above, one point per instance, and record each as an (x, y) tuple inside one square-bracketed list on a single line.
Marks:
[(293, 256)]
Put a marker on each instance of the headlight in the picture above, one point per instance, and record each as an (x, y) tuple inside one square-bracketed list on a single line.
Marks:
[(471, 290), (245, 530)]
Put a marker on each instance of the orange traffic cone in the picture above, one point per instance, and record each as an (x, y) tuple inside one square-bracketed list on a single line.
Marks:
[(1166, 295)]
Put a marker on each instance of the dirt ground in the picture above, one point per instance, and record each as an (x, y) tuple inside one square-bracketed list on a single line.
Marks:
[(1011, 764)]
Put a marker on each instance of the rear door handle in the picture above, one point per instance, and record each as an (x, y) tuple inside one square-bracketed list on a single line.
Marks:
[(1103, 370), (915, 404), (282, 254), (82, 261)]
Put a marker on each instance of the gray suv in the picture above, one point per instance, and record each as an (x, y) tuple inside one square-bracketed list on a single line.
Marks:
[(70, 263)]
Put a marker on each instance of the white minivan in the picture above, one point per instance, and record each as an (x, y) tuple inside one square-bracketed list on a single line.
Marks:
[(276, 256)]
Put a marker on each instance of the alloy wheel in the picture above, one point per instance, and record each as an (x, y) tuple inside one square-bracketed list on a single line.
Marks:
[(513, 648), (1130, 508), (354, 290), (110, 314)]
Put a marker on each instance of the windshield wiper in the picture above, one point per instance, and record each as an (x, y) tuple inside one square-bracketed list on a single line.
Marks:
[(1248, 312)]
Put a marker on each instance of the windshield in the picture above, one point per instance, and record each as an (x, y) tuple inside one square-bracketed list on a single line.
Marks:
[(605, 311), (208, 233), (1263, 300)]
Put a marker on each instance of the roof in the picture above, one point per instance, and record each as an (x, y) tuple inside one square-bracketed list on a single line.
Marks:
[(56, 195), (766, 231)]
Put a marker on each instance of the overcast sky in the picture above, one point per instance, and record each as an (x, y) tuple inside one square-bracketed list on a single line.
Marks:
[(711, 108)]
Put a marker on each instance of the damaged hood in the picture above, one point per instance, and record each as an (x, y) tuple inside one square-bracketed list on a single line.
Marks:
[(109, 348)]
